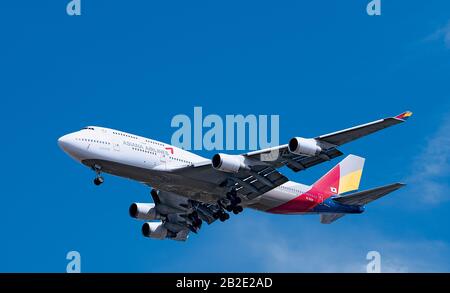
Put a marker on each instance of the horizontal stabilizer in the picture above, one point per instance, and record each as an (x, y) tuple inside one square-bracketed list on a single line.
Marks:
[(364, 197), (330, 218)]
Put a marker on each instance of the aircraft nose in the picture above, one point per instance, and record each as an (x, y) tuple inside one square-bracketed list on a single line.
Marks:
[(64, 141), (71, 146)]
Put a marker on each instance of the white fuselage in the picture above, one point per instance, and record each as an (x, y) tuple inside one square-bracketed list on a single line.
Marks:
[(155, 163)]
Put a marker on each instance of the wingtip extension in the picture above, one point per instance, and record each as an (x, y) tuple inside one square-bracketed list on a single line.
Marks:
[(404, 116), (398, 185)]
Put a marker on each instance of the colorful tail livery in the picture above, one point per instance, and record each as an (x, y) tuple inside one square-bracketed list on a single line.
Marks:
[(344, 177)]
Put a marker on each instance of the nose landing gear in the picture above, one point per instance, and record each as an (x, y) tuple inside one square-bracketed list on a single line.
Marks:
[(98, 178)]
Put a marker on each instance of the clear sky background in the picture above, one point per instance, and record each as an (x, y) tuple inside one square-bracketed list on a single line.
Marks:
[(133, 65)]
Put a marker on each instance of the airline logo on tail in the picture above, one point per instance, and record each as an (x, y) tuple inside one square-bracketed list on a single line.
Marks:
[(344, 177)]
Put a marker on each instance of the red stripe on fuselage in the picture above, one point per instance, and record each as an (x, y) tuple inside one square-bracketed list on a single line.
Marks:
[(321, 190)]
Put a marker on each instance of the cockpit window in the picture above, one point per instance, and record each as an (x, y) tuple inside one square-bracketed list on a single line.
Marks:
[(90, 128)]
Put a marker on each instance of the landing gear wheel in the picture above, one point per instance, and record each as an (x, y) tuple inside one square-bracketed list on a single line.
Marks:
[(237, 210), (223, 217), (229, 208), (99, 180)]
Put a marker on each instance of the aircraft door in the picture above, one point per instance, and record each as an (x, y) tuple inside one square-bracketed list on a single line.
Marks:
[(116, 144)]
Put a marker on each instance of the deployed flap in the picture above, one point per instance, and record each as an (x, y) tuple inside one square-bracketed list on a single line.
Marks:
[(281, 156), (330, 218), (364, 197), (250, 183)]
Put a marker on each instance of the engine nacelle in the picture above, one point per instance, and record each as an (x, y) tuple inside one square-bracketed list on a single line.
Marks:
[(154, 230), (304, 146), (144, 211), (228, 163)]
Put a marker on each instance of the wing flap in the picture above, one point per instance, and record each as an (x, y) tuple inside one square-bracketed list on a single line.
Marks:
[(260, 180), (299, 163), (250, 183), (281, 156)]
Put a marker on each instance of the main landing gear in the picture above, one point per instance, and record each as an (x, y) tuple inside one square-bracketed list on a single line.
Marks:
[(98, 179), (221, 215), (230, 204), (237, 210), (234, 201)]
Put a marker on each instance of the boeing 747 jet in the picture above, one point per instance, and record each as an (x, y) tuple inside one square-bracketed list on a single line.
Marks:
[(188, 190)]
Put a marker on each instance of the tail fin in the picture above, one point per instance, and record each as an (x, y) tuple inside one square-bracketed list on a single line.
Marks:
[(344, 177)]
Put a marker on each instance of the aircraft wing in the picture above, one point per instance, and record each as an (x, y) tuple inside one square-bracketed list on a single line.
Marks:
[(340, 137), (281, 156)]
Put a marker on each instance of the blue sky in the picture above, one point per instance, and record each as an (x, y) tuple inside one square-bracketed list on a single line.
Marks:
[(321, 66)]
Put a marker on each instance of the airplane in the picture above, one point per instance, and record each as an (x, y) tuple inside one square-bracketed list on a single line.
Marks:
[(188, 190)]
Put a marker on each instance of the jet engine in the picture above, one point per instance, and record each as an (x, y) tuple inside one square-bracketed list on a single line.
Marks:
[(154, 230), (304, 146), (228, 163), (144, 211)]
